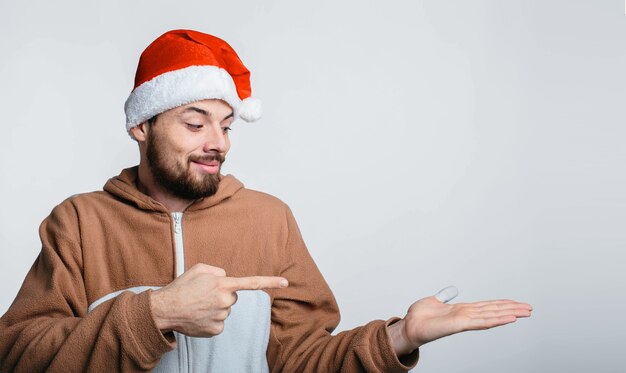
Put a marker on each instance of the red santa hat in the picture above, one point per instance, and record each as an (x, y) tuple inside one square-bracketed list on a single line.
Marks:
[(183, 66)]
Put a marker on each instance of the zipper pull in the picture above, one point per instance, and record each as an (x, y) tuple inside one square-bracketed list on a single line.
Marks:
[(177, 222)]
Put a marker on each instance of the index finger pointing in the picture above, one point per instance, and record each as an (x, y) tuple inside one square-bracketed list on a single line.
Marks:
[(257, 282)]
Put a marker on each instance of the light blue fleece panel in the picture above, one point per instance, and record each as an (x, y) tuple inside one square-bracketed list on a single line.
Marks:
[(241, 347)]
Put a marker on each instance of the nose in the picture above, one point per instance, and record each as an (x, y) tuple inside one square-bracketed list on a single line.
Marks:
[(216, 140)]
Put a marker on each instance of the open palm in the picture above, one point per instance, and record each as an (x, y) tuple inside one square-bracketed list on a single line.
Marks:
[(429, 319)]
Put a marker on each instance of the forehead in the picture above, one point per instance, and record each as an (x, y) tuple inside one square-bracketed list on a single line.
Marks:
[(212, 108)]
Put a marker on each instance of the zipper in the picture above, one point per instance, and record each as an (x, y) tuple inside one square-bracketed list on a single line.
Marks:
[(178, 240), (184, 350), (188, 348)]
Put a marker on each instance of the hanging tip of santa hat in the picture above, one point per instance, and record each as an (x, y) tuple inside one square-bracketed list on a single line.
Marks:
[(250, 109)]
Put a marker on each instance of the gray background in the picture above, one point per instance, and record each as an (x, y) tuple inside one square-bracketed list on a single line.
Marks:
[(419, 144)]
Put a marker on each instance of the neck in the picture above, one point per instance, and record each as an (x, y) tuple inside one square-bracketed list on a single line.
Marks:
[(147, 185)]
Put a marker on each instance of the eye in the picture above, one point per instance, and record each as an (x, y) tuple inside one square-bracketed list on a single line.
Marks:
[(226, 130), (194, 127)]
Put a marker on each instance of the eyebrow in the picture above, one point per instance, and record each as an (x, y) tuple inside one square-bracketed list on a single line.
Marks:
[(204, 112)]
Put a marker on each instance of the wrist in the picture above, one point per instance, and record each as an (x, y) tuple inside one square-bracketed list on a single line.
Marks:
[(158, 308), (399, 340)]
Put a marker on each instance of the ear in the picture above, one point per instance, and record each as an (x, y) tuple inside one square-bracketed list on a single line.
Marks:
[(139, 132)]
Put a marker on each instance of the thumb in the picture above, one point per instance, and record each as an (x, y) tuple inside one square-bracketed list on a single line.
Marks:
[(447, 294)]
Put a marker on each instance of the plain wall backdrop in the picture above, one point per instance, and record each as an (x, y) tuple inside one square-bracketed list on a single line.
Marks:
[(419, 143)]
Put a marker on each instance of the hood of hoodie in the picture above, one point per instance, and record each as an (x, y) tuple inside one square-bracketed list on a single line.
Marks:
[(124, 186)]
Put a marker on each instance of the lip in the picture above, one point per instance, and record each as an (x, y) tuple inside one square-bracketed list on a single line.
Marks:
[(210, 163), (212, 167)]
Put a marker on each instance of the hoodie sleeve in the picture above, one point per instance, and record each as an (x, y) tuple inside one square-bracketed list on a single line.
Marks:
[(304, 315), (47, 328)]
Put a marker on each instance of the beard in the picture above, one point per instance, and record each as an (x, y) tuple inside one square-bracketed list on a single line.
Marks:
[(177, 178)]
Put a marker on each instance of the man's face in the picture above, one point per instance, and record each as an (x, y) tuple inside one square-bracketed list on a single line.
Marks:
[(186, 146)]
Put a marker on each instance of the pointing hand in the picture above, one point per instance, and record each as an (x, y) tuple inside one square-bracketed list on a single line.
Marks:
[(198, 302)]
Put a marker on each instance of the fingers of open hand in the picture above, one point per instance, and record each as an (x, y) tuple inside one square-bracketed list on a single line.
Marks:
[(501, 302), (488, 322), (522, 309), (485, 315)]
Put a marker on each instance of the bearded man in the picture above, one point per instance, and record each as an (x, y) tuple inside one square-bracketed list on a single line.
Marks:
[(174, 267)]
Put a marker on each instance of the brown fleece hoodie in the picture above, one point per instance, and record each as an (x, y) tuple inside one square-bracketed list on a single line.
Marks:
[(80, 309)]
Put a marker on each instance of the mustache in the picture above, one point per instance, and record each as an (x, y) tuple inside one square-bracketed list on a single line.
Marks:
[(213, 156)]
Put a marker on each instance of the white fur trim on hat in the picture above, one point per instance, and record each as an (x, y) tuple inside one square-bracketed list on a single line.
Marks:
[(180, 87)]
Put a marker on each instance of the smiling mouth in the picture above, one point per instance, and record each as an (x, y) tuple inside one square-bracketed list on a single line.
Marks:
[(212, 167), (209, 163)]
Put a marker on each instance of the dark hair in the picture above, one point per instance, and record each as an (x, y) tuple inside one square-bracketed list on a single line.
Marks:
[(152, 120)]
